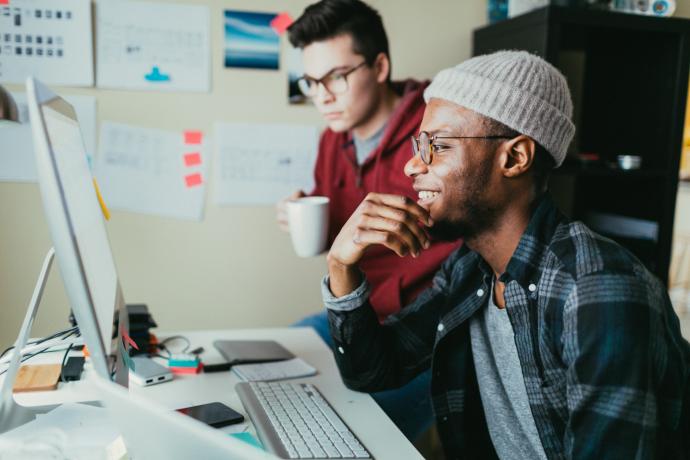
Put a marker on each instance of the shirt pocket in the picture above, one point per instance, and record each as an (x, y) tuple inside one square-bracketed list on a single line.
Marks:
[(554, 391)]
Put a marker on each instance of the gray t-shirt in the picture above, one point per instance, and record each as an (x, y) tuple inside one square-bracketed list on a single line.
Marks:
[(364, 147), (502, 385)]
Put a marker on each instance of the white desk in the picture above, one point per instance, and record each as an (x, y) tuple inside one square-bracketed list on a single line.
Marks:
[(358, 410)]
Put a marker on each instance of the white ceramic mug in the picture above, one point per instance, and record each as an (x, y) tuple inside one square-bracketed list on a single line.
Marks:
[(308, 223)]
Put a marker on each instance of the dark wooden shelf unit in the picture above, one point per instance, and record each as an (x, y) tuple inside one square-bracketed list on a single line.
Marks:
[(629, 78)]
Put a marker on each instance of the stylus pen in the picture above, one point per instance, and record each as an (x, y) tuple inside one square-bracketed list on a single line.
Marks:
[(226, 366), (217, 367)]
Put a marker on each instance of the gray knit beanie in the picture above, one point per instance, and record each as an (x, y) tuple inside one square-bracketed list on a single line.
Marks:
[(519, 89)]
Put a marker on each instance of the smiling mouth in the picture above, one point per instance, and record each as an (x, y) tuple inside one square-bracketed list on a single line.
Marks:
[(426, 196)]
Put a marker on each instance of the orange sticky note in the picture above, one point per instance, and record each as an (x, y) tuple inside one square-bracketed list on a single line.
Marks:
[(281, 22), (192, 180), (192, 137), (192, 159)]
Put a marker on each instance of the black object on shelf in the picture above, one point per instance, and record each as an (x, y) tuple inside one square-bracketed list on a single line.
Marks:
[(629, 78), (73, 368), (140, 323)]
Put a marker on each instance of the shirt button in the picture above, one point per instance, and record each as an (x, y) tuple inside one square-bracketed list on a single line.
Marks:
[(340, 349), (440, 327), (532, 287), (480, 292), (445, 419)]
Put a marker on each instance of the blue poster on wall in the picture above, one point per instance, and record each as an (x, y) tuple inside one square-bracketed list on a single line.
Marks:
[(250, 41)]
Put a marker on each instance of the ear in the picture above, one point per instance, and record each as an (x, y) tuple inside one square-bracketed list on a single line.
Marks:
[(382, 67), (518, 156)]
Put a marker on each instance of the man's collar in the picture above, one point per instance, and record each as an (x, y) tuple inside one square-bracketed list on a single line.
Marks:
[(524, 264)]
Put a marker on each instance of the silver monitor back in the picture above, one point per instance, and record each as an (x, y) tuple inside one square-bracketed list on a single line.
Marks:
[(153, 432), (77, 228)]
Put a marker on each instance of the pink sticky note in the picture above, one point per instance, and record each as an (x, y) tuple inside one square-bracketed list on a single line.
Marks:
[(192, 180), (192, 137), (281, 22), (192, 159), (126, 338), (4, 2)]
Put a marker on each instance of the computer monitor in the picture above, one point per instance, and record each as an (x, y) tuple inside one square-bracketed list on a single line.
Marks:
[(152, 431), (77, 229)]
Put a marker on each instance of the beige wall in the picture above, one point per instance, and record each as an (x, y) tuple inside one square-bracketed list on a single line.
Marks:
[(235, 268), (682, 8)]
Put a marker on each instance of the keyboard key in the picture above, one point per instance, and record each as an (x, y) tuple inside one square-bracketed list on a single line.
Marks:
[(332, 452), (318, 452), (344, 450), (305, 453)]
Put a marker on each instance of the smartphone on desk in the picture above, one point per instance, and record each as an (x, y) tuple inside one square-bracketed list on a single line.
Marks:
[(215, 414)]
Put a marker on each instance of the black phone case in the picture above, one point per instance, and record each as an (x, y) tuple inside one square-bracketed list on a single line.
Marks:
[(214, 414)]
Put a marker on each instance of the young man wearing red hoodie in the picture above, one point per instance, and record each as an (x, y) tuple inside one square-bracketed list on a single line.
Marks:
[(364, 149)]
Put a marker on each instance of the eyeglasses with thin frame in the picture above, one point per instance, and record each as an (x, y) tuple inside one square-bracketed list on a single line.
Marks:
[(424, 144), (335, 81)]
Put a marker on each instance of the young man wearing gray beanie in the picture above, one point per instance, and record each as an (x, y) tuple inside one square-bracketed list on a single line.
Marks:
[(545, 340)]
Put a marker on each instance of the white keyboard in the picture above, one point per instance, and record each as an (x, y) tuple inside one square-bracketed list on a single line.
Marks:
[(293, 420)]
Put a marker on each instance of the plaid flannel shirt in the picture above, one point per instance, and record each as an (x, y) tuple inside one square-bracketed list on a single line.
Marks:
[(604, 363)]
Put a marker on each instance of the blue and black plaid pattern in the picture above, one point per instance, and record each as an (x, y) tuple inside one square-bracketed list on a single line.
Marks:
[(604, 363)]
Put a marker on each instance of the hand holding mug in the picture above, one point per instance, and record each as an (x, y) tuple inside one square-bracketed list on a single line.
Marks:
[(281, 209)]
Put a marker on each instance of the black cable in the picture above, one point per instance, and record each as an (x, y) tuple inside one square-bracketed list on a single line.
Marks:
[(42, 340), (162, 346), (6, 350), (69, 332), (26, 358)]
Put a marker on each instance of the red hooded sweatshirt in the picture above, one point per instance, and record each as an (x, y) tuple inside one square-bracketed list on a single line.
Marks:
[(394, 281)]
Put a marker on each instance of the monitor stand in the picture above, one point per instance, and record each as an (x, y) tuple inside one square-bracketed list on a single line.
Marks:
[(12, 414)]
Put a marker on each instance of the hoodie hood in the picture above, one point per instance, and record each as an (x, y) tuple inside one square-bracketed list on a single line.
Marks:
[(406, 117), (403, 123)]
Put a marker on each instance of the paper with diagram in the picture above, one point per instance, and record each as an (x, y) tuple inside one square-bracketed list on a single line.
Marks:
[(153, 46), (17, 160), (262, 163), (152, 171), (49, 39)]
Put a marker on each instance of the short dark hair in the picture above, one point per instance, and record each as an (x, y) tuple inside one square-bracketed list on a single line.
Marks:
[(331, 18), (543, 162)]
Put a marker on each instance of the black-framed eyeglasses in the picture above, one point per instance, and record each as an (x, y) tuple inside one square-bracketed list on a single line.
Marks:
[(334, 81), (424, 144)]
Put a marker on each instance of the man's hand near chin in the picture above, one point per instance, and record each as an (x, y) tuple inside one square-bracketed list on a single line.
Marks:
[(393, 221)]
